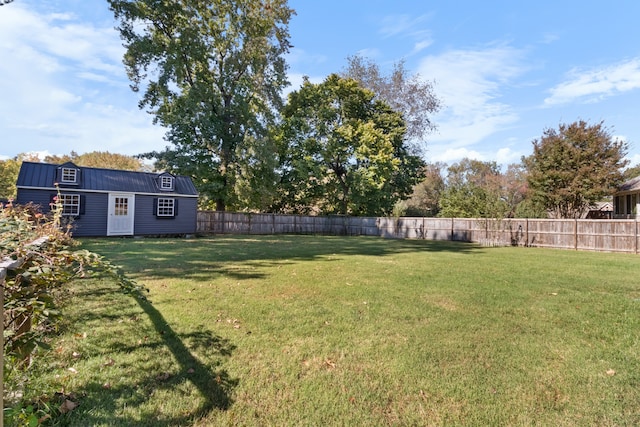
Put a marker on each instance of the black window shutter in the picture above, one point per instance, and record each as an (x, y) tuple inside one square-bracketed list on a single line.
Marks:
[(155, 206), (175, 207), (83, 202)]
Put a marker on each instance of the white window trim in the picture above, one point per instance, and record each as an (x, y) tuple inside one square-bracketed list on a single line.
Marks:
[(67, 172), (166, 183), (73, 205), (166, 205)]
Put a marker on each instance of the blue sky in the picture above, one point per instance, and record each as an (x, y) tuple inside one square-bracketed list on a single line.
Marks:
[(504, 70)]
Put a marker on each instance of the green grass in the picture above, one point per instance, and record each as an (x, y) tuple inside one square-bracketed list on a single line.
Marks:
[(308, 330)]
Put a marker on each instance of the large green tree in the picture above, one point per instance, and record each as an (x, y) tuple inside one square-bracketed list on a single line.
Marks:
[(574, 167), (212, 73), (342, 151), (474, 189), (410, 95)]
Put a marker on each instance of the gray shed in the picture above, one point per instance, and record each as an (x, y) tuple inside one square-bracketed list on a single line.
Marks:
[(109, 202)]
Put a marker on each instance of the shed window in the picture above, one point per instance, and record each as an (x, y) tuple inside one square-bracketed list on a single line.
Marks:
[(69, 175), (166, 183), (70, 204), (166, 207)]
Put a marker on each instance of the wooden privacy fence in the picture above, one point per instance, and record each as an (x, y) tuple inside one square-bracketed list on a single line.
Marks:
[(578, 234)]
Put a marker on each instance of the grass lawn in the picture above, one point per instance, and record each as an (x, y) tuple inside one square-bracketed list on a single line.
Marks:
[(315, 331)]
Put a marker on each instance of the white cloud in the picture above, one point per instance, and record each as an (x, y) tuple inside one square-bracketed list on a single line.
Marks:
[(595, 84), (300, 56), (406, 26), (370, 53), (453, 155), (506, 155), (421, 45), (634, 160), (443, 153), (65, 87), (470, 83), (395, 25)]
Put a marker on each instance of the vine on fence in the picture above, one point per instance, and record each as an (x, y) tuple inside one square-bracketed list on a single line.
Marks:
[(33, 291)]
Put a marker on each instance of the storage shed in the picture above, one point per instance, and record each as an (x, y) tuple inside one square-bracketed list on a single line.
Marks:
[(109, 202)]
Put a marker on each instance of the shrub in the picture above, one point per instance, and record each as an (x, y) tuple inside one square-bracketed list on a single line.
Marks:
[(46, 258)]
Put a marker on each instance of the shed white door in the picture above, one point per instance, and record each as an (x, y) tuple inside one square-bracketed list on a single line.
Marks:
[(121, 211)]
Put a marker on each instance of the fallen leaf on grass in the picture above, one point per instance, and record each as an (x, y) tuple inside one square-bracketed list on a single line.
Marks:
[(191, 370), (164, 376), (73, 370), (109, 362), (68, 406), (76, 355), (611, 372), (329, 363), (106, 386)]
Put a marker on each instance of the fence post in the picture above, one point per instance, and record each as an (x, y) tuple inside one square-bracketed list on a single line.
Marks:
[(635, 242), (451, 238), (575, 234)]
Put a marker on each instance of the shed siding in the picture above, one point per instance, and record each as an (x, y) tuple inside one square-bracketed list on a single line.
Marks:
[(146, 223), (92, 223)]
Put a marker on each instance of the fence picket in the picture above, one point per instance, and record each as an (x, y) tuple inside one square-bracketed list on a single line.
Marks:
[(620, 235)]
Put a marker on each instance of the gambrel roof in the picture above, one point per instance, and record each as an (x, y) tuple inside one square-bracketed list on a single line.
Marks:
[(46, 175)]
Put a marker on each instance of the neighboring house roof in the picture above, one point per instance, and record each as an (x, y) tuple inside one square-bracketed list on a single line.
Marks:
[(602, 206), (44, 175), (631, 185)]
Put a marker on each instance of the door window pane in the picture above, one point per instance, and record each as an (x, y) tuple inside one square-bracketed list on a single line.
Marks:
[(121, 207)]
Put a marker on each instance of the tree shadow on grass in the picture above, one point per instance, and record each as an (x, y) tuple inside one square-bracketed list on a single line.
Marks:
[(215, 387), (244, 257), (211, 384)]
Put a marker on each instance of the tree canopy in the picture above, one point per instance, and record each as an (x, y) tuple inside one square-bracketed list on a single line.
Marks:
[(212, 73), (8, 176), (631, 172), (425, 198), (342, 151), (473, 190), (407, 94), (99, 159), (574, 167)]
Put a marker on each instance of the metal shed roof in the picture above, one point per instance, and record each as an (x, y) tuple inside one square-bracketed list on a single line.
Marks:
[(44, 175)]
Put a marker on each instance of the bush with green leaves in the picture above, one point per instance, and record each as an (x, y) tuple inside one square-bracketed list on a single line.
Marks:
[(46, 258)]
